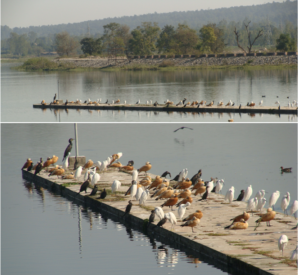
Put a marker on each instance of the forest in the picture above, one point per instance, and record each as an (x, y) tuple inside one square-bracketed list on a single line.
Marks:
[(193, 32)]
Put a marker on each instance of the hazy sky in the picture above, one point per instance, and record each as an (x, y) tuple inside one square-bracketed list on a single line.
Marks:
[(25, 13)]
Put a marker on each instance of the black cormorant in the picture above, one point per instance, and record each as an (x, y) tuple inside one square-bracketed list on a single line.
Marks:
[(128, 208), (85, 185), (197, 176), (68, 149), (103, 194), (30, 167), (151, 217), (165, 174), (162, 221), (94, 191), (54, 98), (204, 197), (184, 100), (38, 168), (241, 196)]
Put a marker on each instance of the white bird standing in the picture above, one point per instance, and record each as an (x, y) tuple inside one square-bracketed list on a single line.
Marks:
[(99, 164), (139, 193), (104, 165), (261, 102), (181, 210), (285, 203), (120, 154), (260, 194), (219, 186), (252, 204), (248, 193), (133, 189), (95, 178), (135, 174), (294, 255), (273, 199), (172, 219), (210, 186), (65, 164), (294, 208), (261, 203), (86, 174), (230, 194), (144, 197), (115, 186), (282, 242), (78, 172), (159, 212)]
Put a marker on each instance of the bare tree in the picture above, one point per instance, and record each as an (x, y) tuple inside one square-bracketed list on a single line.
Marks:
[(251, 43)]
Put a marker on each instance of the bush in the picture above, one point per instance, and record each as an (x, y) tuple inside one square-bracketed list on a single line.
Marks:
[(44, 64), (167, 63)]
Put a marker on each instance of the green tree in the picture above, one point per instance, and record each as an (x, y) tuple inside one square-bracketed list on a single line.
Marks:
[(91, 46), (64, 44), (186, 39), (166, 41), (208, 38), (18, 44), (285, 43)]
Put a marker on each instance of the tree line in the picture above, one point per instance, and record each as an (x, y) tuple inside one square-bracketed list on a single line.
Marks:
[(148, 38)]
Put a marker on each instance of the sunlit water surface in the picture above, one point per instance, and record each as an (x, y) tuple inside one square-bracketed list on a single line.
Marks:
[(20, 90), (43, 233)]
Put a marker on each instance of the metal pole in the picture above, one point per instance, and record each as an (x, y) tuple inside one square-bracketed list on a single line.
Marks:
[(76, 139), (58, 89)]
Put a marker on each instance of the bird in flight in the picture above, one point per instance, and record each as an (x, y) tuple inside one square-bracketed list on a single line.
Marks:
[(183, 128)]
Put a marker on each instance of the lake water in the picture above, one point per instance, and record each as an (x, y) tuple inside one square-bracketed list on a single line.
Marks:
[(20, 90), (43, 233)]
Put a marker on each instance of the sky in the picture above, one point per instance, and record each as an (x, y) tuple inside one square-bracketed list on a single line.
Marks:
[(25, 13)]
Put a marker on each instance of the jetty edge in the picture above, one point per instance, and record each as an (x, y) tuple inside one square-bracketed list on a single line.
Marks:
[(234, 251), (173, 108)]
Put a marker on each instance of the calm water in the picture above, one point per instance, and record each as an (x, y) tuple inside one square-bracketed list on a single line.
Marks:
[(43, 233), (20, 90)]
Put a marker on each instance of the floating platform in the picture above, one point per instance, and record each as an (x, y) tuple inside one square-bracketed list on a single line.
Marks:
[(243, 252), (173, 108)]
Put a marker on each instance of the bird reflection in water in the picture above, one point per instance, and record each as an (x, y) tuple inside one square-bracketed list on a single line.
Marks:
[(28, 186), (220, 115), (129, 233), (251, 114), (161, 254), (78, 110), (67, 111), (40, 191), (44, 110), (153, 243), (192, 260), (90, 111)]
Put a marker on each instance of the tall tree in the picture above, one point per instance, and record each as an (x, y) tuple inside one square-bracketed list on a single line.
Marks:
[(166, 41), (91, 46), (186, 39), (64, 44)]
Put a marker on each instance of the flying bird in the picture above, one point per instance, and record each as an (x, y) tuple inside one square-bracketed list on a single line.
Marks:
[(181, 128)]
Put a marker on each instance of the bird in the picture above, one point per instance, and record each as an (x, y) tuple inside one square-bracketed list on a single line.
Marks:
[(78, 172), (260, 194), (191, 223), (261, 102), (270, 215), (230, 194), (68, 149), (184, 194), (159, 212), (85, 185), (65, 164), (183, 127), (145, 168), (162, 221), (157, 181), (219, 186), (132, 189), (27, 164), (198, 214), (39, 168), (282, 242), (171, 201), (205, 195), (94, 191), (248, 193), (285, 203), (102, 195), (245, 216), (95, 178), (181, 210), (238, 225), (172, 219), (184, 201), (252, 204), (165, 174), (261, 203), (241, 196), (286, 170), (294, 254), (30, 167), (139, 193), (128, 208), (115, 186), (196, 177), (88, 164), (134, 175), (273, 199), (151, 217), (294, 208), (54, 98), (58, 172), (144, 197), (184, 100)]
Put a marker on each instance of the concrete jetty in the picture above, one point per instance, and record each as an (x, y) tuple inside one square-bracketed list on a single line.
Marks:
[(234, 251), (173, 108)]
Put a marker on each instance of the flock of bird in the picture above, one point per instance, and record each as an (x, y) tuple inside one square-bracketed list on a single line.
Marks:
[(179, 195), (182, 103)]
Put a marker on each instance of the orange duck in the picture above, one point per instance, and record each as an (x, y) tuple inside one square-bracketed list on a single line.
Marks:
[(171, 201), (47, 162), (88, 164), (184, 201), (198, 214), (145, 168), (185, 194), (191, 223), (158, 180), (27, 164), (166, 194)]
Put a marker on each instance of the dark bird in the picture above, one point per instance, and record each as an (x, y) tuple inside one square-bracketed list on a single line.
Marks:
[(295, 227), (128, 208), (180, 102), (85, 101), (168, 104), (103, 194), (241, 196), (30, 167), (85, 185), (94, 191), (38, 168), (130, 163), (183, 128), (151, 217), (286, 170), (68, 149), (184, 105), (176, 177), (54, 98), (155, 104), (184, 100), (287, 97), (76, 163), (162, 221), (195, 178), (66, 103), (240, 106), (248, 104), (277, 96), (263, 96), (204, 197), (165, 174), (106, 102), (233, 104)]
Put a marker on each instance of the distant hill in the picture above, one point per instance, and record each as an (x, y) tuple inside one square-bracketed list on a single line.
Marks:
[(277, 13)]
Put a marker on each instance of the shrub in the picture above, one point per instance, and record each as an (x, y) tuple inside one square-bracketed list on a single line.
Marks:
[(167, 63)]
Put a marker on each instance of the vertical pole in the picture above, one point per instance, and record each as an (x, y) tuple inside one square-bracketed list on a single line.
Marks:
[(76, 139)]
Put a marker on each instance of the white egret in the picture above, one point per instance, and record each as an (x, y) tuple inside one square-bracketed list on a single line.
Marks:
[(219, 186), (294, 208), (230, 194), (78, 172), (252, 204), (248, 193), (86, 175), (210, 186), (134, 174), (282, 242), (99, 164), (65, 164), (95, 178), (285, 203), (261, 203), (260, 194), (139, 193), (181, 210), (115, 186), (261, 102), (273, 199), (133, 189), (144, 197), (172, 219), (159, 212)]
